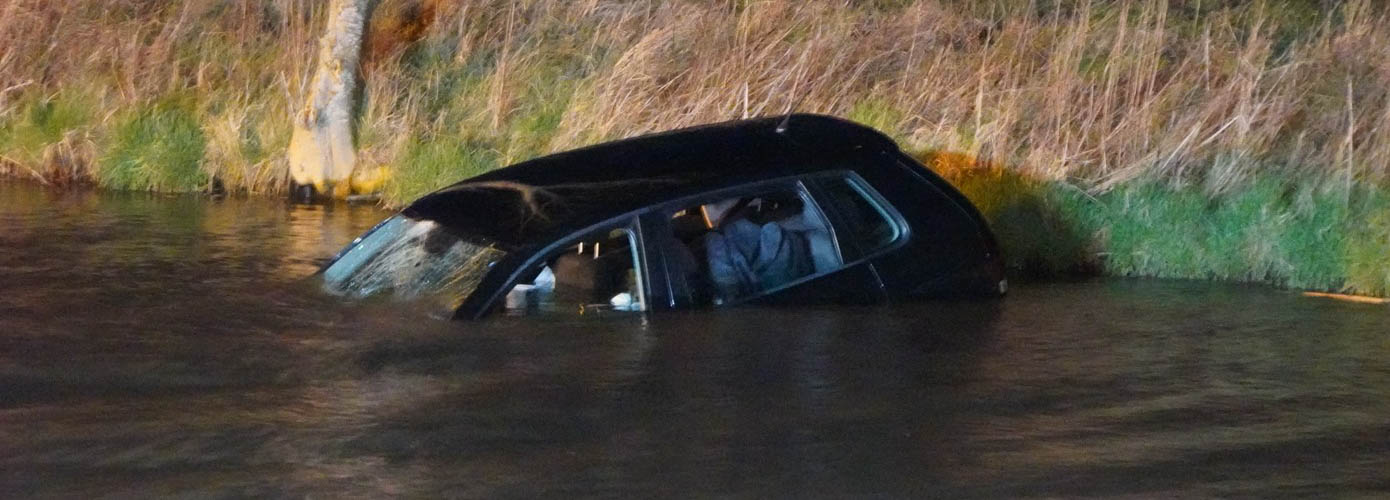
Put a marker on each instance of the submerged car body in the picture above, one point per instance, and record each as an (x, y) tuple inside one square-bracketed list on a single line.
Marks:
[(796, 209)]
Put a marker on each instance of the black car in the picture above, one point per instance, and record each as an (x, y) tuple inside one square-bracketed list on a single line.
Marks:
[(795, 209)]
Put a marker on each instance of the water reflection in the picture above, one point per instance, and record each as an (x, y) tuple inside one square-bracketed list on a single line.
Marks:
[(167, 345)]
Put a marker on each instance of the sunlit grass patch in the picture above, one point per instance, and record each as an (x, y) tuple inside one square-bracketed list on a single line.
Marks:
[(1272, 230), (1315, 226), (1368, 248), (1154, 231), (40, 122), (157, 147), (878, 113), (48, 135)]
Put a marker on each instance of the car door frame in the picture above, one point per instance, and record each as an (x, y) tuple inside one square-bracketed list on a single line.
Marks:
[(679, 295), (631, 221)]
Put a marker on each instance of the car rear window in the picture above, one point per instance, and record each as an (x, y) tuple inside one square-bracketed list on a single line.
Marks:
[(866, 225)]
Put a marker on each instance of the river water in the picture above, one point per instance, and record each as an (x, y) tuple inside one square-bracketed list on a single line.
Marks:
[(172, 346)]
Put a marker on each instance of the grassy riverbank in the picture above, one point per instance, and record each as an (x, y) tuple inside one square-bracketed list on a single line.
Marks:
[(1273, 229), (1231, 140)]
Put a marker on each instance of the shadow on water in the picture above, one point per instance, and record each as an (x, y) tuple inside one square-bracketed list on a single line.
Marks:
[(171, 346)]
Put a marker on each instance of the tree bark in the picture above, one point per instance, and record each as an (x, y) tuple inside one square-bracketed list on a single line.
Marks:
[(321, 151)]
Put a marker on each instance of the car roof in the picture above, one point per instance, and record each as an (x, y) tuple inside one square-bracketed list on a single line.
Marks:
[(538, 200)]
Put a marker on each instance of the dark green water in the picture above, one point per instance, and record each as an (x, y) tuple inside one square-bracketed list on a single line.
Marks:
[(170, 346)]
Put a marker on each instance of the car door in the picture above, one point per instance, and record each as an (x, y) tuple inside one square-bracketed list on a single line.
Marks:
[(949, 252)]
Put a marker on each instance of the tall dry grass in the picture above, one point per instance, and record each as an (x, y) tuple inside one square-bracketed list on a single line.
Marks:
[(1094, 93), (233, 66), (1101, 95)]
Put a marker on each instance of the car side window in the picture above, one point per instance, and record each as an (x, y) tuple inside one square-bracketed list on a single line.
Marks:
[(597, 272), (867, 224), (733, 247)]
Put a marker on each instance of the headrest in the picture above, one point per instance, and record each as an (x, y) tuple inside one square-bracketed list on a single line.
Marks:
[(690, 224)]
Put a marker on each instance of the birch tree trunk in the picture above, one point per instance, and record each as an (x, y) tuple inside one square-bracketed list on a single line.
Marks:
[(321, 152)]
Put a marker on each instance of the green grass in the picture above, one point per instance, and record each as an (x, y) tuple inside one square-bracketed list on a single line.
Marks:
[(467, 135), (877, 113), (1273, 229), (534, 122), (41, 122), (432, 164), (156, 147), (1368, 248)]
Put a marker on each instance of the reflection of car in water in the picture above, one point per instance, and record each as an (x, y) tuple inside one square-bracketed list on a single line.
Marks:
[(799, 209)]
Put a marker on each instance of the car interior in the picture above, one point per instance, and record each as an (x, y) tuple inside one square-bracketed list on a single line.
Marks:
[(727, 250), (595, 273), (741, 246)]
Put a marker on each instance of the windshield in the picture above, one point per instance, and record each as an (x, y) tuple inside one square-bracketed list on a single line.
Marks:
[(407, 259)]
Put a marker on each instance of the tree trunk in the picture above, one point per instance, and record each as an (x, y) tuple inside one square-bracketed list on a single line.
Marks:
[(321, 151)]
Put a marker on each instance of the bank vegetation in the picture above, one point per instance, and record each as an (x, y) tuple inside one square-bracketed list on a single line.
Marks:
[(1227, 140)]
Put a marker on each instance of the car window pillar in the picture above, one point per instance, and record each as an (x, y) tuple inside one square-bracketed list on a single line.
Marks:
[(666, 287)]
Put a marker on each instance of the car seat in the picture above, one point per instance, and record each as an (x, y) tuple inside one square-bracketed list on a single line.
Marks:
[(589, 278), (821, 245)]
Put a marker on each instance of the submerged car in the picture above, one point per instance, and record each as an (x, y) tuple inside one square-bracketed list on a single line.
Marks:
[(797, 209)]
